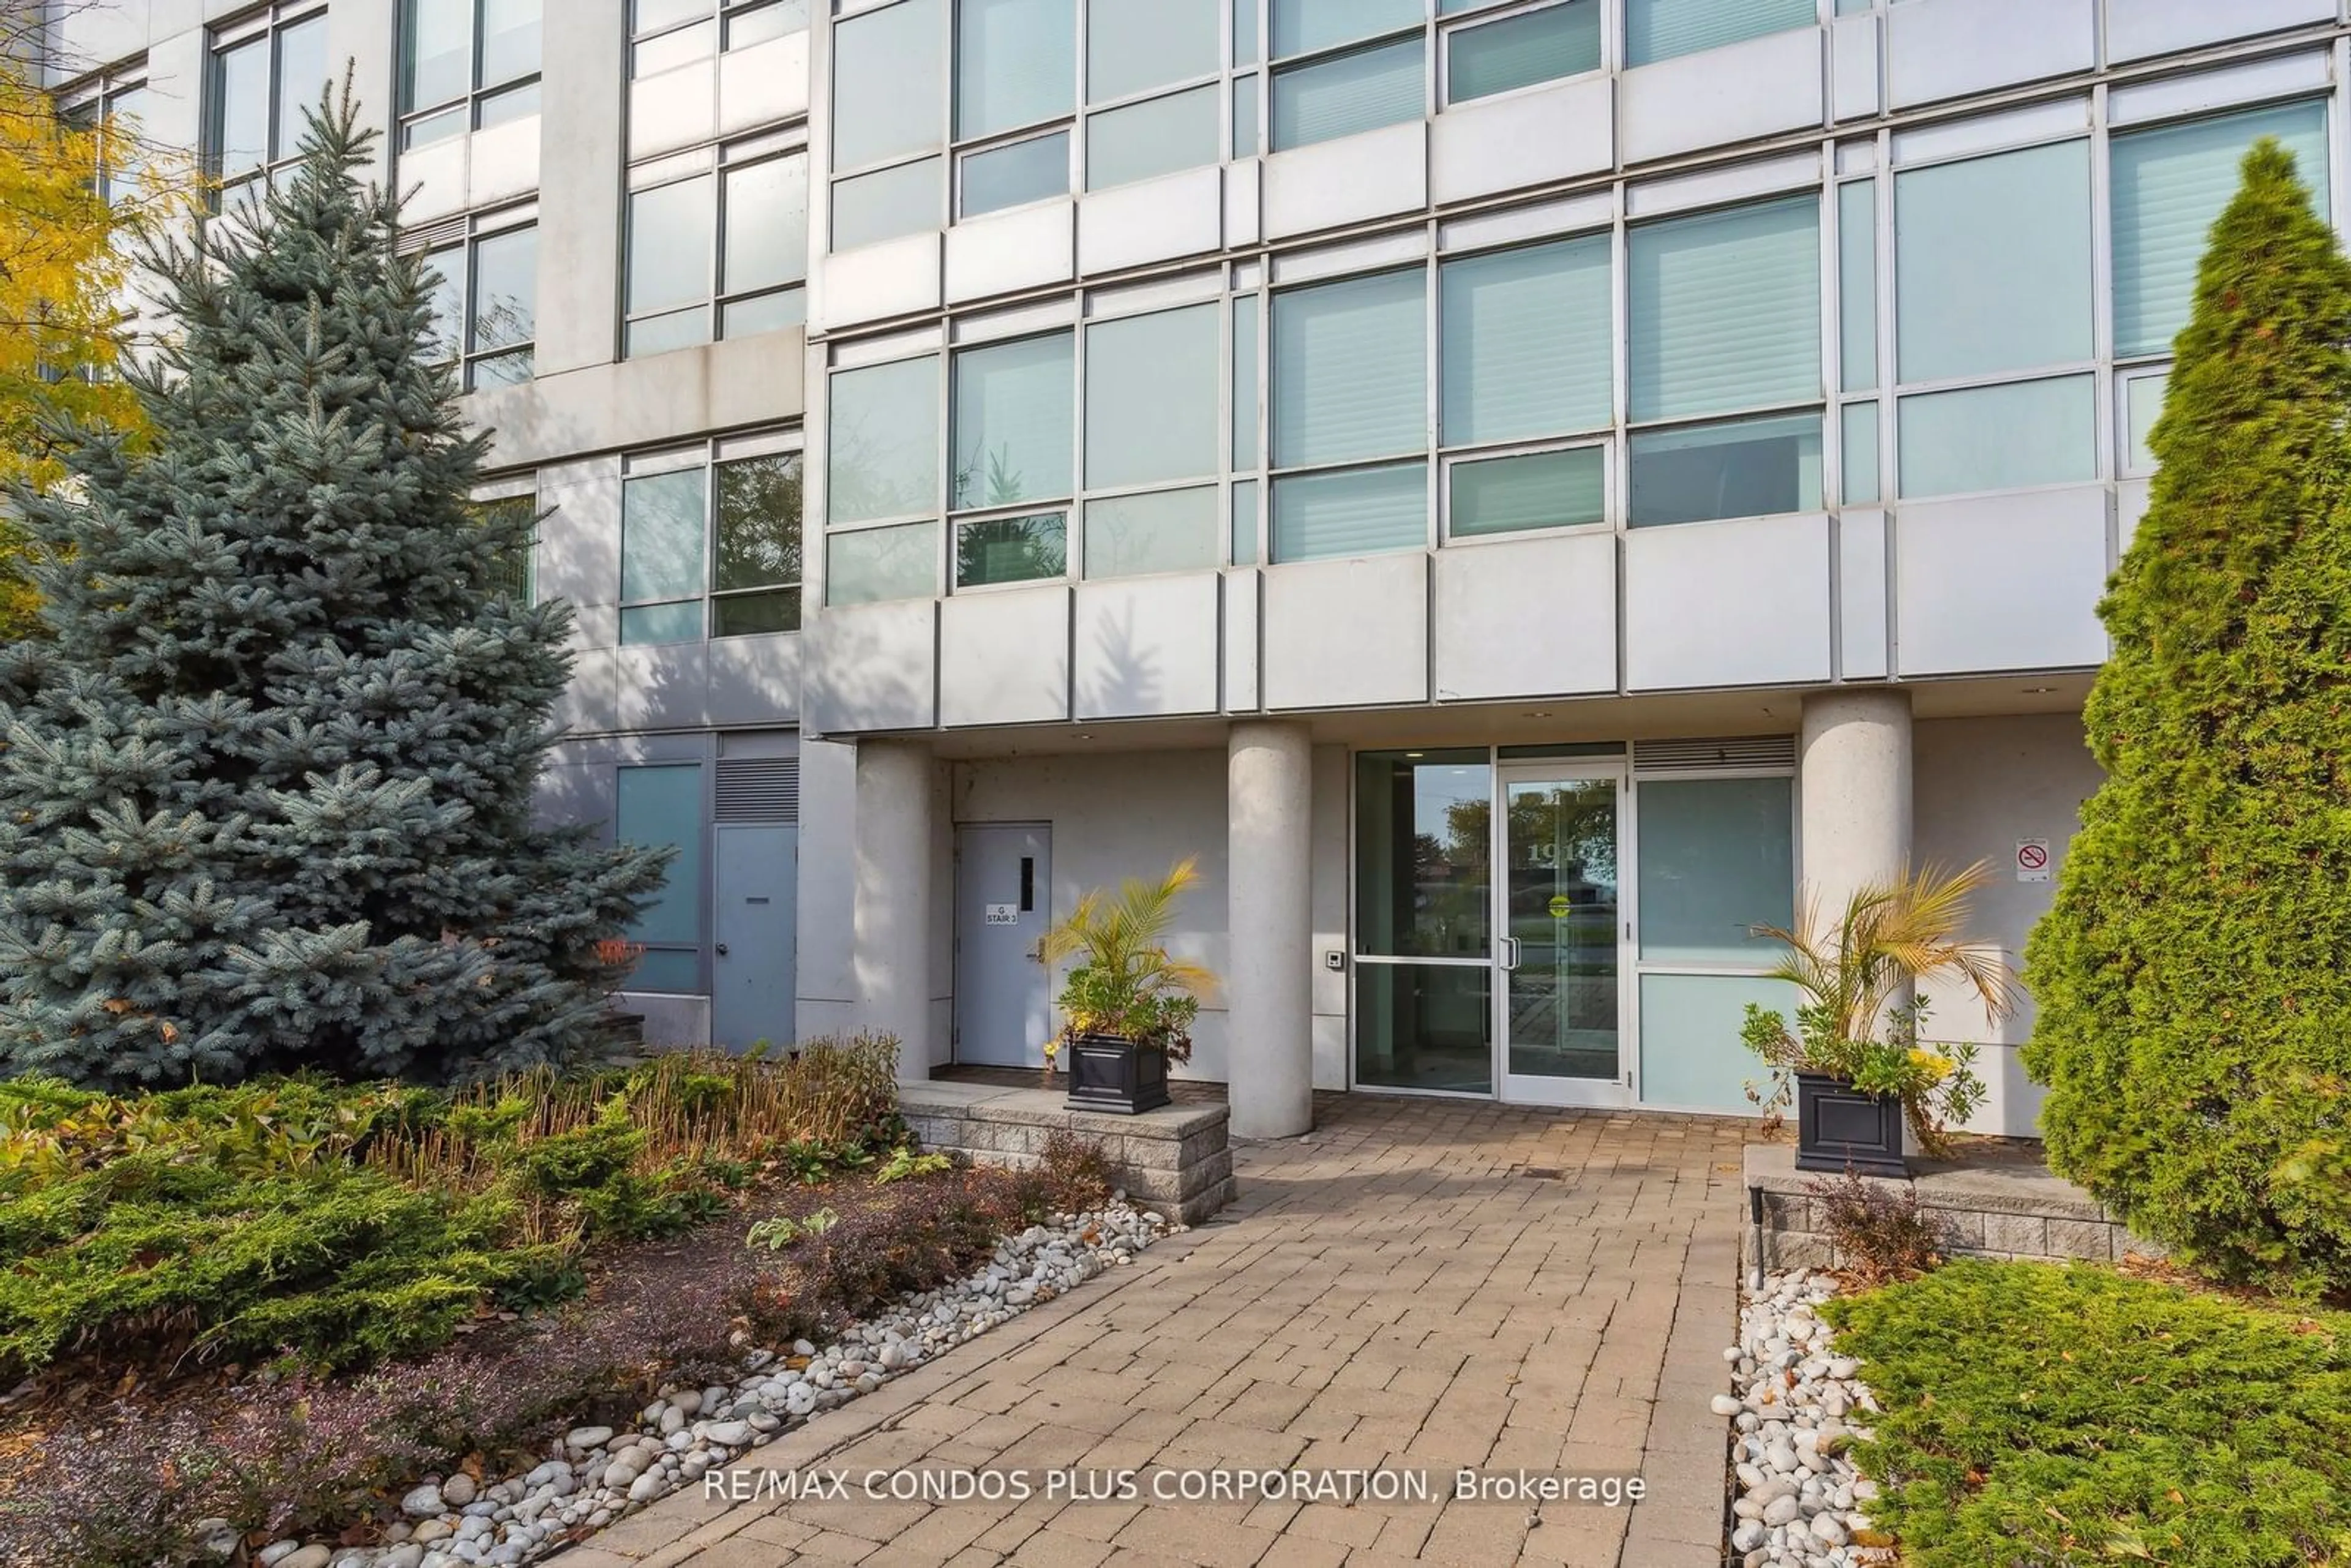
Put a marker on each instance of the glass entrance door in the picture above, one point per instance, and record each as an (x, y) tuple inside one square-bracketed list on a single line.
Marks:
[(1560, 1008)]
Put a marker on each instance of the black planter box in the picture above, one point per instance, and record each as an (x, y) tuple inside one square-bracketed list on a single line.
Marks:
[(1840, 1128), (1111, 1072)]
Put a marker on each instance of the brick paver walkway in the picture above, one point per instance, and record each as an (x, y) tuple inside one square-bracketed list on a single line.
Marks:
[(1416, 1284)]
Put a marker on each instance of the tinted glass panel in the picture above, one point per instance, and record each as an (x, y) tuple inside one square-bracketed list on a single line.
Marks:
[(510, 40), (664, 806), (1356, 511), (883, 438), (1991, 260), (1424, 1026), (1170, 531), (436, 52), (1351, 369), (1157, 136), (1013, 407), (1660, 29), (1011, 549), (1302, 24), (661, 535), (1998, 438), (1151, 397), (1350, 93), (767, 224), (888, 76), (882, 205), (759, 539), (1740, 468), (1016, 63), (1519, 51), (670, 234), (1538, 490), (1717, 859), (1527, 342), (506, 288), (874, 564), (1725, 310), (301, 75), (1013, 175), (1132, 46), (1424, 854), (243, 111)]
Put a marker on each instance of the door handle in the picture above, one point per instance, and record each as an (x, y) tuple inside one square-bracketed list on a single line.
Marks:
[(722, 950), (1509, 952)]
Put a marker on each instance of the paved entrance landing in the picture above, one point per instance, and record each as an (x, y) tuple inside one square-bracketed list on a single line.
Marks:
[(1423, 1284)]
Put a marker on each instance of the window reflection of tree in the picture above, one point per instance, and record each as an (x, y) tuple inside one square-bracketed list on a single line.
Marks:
[(758, 545)]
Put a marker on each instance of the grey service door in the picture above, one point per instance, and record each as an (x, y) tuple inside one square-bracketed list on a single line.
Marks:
[(758, 922), (1004, 874)]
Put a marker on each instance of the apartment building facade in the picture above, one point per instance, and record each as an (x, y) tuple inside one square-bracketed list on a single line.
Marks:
[(1525, 492)]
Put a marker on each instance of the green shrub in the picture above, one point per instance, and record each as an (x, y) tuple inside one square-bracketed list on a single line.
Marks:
[(2059, 1416), (2193, 975)]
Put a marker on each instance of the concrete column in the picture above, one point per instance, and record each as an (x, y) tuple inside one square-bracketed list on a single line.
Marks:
[(1856, 786), (1269, 978), (893, 914)]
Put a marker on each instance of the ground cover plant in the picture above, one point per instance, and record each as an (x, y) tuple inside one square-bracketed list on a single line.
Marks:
[(2054, 1415)]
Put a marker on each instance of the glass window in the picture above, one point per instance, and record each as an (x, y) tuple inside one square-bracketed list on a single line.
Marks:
[(759, 24), (1132, 46), (1011, 549), (1519, 51), (498, 108), (1349, 93), (1016, 63), (762, 313), (1860, 438), (447, 270), (1246, 142), (670, 50), (301, 74), (2142, 405), (1350, 369), (1857, 285), (1534, 490), (766, 243), (1691, 1056), (1716, 859), (1244, 382), (1157, 136), (886, 203), (2169, 184), (673, 230), (1245, 31), (505, 295), (1991, 260), (1151, 406), (882, 431), (1737, 468), (1725, 310), (436, 61), (513, 566), (870, 565), (662, 805), (1302, 24), (756, 568), (510, 40), (887, 83), (1166, 530), (662, 556), (1244, 522), (1526, 342), (1354, 511), (1998, 437), (1425, 1026), (1013, 407), (1424, 854), (241, 112), (1015, 174), (1660, 29)]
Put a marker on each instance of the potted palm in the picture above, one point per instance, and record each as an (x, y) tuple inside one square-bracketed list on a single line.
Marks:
[(1127, 1005), (1855, 1063)]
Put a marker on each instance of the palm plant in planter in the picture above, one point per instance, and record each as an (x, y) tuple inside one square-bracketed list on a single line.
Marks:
[(1127, 1005), (1854, 1061)]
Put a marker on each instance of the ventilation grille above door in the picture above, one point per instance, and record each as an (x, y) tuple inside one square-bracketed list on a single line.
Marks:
[(431, 236), (1706, 756), (758, 788)]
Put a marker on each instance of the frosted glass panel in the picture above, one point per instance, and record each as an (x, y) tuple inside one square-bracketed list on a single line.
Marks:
[(1660, 29), (1740, 468), (677, 621), (1351, 93), (882, 205), (1860, 438), (767, 224), (661, 535), (1691, 1056), (506, 288), (1717, 857), (1157, 136), (662, 805), (1170, 531), (1538, 490), (1857, 285), (1359, 512), (874, 564), (1991, 260), (1302, 24), (1244, 522), (2169, 184), (2142, 401), (1519, 51), (1998, 438), (1351, 369), (1725, 310), (436, 53), (889, 73), (1151, 406), (1010, 176), (510, 30), (1246, 142), (302, 70), (1135, 44), (1016, 63), (1526, 344), (1013, 407), (667, 970), (1244, 383), (882, 436)]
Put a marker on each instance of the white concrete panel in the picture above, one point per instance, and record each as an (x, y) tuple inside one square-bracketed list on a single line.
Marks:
[(825, 967), (574, 790), (1007, 251), (1942, 48), (647, 402), (755, 680), (1533, 617), (764, 83), (2168, 97), (2131, 498), (1727, 604), (1522, 138), (2138, 28), (1855, 91), (679, 108), (1153, 220), (83, 37), (891, 278), (1346, 180), (583, 108), (2000, 582), (1346, 634), (1861, 595), (503, 161), (594, 625), (1240, 652), (1146, 646), (1753, 89), (1004, 656), (437, 173), (591, 704), (872, 666), (578, 552), (755, 380), (1714, 187), (666, 686), (1244, 184)]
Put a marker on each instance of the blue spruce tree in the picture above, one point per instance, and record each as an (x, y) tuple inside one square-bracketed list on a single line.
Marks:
[(265, 792)]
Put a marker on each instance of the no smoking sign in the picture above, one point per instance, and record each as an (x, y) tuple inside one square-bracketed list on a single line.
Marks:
[(2033, 860)]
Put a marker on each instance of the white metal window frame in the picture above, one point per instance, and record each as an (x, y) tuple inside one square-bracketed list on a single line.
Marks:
[(707, 456), (483, 103), (714, 161), (722, 17), (267, 23), (1449, 28), (463, 234)]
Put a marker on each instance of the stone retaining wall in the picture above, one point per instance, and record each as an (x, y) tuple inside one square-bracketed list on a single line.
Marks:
[(1173, 1160), (2002, 1203)]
